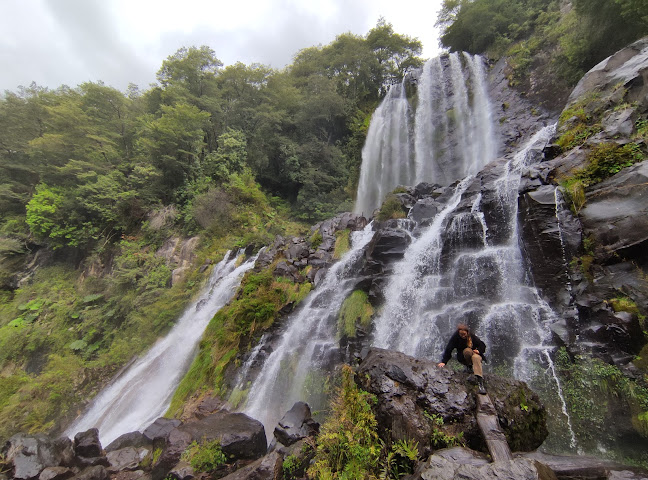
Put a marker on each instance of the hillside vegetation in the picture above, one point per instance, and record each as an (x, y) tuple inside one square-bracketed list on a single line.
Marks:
[(94, 181)]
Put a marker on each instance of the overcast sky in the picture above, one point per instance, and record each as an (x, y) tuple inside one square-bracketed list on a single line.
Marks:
[(55, 42)]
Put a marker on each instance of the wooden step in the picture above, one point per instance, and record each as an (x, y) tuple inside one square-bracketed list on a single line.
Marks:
[(489, 425)]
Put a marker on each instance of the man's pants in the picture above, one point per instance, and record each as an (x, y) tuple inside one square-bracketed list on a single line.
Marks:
[(475, 360)]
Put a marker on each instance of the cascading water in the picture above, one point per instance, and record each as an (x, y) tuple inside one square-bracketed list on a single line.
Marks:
[(308, 346), (463, 268), (453, 134), (386, 159), (143, 392)]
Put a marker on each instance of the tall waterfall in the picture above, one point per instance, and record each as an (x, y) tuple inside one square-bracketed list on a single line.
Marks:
[(453, 134), (386, 158), (308, 344), (143, 392)]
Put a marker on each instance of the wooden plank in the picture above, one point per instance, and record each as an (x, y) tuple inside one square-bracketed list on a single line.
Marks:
[(493, 434)]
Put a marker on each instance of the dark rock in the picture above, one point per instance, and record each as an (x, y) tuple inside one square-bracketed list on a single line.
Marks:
[(208, 406), (127, 458), (136, 475), (93, 473), (160, 428), (388, 245), (584, 467), (439, 468), (616, 211), (56, 473), (424, 210), (87, 444), (409, 390), (84, 462), (182, 471), (551, 237), (284, 269), (240, 437), (265, 468), (31, 454), (296, 424), (425, 189), (628, 67), (132, 439)]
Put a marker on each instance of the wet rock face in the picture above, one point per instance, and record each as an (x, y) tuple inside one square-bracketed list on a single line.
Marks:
[(410, 392)]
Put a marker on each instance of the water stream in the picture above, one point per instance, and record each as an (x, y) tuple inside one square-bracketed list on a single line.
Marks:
[(309, 343), (142, 393)]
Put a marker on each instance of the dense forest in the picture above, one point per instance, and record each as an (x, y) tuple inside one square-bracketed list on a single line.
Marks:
[(94, 180)]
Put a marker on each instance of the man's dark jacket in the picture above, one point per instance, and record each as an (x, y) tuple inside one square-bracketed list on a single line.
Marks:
[(460, 344)]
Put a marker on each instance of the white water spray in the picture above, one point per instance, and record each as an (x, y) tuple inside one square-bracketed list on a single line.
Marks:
[(143, 392)]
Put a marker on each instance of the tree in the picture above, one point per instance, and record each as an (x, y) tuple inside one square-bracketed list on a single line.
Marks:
[(193, 68)]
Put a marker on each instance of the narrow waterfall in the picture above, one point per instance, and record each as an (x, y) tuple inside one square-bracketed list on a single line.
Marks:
[(386, 158), (308, 346), (453, 134), (143, 392)]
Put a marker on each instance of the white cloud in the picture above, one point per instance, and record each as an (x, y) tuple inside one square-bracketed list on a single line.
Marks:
[(54, 42)]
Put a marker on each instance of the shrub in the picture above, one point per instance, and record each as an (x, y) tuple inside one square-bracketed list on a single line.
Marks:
[(391, 208), (204, 457)]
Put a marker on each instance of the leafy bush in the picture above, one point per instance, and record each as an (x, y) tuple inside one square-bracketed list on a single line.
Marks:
[(204, 457), (348, 446)]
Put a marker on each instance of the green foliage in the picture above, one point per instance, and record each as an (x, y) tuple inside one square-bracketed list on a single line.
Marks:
[(348, 446), (290, 467), (355, 310), (205, 456), (316, 240), (390, 209), (400, 460), (441, 439), (591, 389), (261, 296), (574, 40), (607, 159)]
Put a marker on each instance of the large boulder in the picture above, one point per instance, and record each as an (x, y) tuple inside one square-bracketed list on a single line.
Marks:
[(616, 211), (29, 455), (240, 438), (627, 67), (296, 424), (440, 468), (413, 393)]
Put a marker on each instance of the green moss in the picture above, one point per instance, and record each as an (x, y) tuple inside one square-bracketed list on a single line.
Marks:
[(316, 240), (390, 209), (592, 390), (355, 310), (342, 243), (603, 161)]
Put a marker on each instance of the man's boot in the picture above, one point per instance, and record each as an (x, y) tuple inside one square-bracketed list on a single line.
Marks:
[(480, 384)]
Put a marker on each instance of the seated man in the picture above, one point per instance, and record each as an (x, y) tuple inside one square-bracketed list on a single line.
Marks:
[(470, 352)]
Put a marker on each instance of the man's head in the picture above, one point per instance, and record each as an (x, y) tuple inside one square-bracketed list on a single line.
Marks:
[(463, 330)]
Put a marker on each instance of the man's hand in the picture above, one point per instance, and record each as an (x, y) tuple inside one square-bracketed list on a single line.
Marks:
[(476, 351), (441, 365)]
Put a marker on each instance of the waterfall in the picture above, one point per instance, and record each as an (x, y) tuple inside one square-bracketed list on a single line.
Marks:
[(458, 271), (143, 392), (386, 159), (308, 345), (453, 134)]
